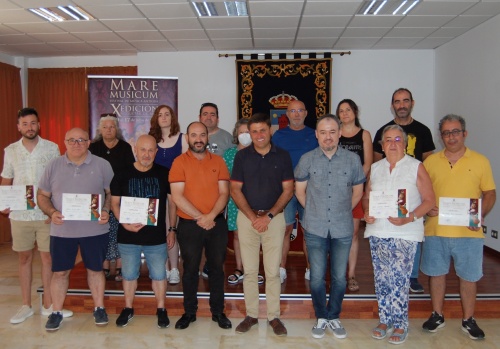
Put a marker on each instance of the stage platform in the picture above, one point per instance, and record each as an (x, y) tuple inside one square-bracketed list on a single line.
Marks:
[(295, 294)]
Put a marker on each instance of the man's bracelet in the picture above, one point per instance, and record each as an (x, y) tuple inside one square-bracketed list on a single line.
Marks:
[(174, 229)]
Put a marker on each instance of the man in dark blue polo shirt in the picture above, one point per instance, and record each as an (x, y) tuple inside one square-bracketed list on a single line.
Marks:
[(261, 186)]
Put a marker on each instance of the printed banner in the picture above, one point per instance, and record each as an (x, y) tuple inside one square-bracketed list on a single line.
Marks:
[(132, 98), (268, 86)]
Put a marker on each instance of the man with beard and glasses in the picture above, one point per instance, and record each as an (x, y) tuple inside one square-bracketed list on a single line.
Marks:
[(24, 164), (199, 182), (419, 146)]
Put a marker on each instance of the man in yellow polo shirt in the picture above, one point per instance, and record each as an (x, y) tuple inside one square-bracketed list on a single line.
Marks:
[(456, 172)]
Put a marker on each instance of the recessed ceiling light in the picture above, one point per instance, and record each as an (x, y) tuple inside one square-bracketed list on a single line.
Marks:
[(62, 13), (387, 7), (220, 9)]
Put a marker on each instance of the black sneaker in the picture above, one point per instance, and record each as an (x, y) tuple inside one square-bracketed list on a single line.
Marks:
[(54, 322), (163, 321), (100, 316), (415, 286), (126, 315), (470, 326), (435, 321)]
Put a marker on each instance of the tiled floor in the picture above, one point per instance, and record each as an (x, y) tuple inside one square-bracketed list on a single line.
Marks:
[(80, 331)]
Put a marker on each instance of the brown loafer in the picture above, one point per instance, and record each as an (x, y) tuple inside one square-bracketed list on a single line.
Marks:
[(278, 327), (246, 324)]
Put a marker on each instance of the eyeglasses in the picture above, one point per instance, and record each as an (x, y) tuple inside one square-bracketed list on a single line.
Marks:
[(108, 114), (296, 111), (73, 141), (396, 140), (455, 132)]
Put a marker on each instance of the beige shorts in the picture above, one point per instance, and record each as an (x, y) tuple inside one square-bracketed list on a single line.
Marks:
[(24, 235)]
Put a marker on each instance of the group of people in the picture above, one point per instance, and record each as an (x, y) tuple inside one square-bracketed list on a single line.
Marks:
[(325, 176)]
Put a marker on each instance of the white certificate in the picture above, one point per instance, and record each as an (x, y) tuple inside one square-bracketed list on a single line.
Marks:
[(464, 212), (81, 207), (17, 197), (388, 203), (139, 210)]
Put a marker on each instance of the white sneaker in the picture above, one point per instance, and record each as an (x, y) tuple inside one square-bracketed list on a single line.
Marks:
[(168, 274), (175, 277), (47, 311), (318, 331), (337, 328), (282, 274), (22, 314), (307, 275)]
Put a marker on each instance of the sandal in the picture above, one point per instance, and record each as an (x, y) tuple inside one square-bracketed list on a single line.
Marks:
[(236, 277), (380, 333), (260, 279), (118, 276), (106, 273), (352, 285), (401, 337)]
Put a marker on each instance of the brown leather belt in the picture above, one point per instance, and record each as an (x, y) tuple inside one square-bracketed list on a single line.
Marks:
[(260, 213)]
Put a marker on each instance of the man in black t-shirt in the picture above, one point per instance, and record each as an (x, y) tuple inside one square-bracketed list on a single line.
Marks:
[(147, 183), (420, 146)]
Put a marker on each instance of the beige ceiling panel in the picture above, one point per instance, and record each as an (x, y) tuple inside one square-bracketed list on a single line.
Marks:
[(176, 23), (229, 34), (160, 10), (332, 8)]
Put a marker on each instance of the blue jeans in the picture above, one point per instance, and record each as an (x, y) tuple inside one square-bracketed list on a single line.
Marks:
[(319, 248), (291, 209), (156, 257)]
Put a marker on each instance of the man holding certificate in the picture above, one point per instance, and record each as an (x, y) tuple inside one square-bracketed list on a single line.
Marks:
[(465, 194), (24, 163), (66, 190), (329, 184), (199, 181), (139, 202)]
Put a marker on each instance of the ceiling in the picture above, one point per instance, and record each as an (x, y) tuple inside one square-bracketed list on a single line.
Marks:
[(126, 27)]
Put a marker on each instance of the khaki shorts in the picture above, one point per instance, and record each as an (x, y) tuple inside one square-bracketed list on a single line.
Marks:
[(25, 233)]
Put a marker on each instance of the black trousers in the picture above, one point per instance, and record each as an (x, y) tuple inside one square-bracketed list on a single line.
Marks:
[(192, 238)]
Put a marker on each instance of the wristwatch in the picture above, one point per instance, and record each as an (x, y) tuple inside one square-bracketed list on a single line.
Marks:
[(270, 215), (414, 217)]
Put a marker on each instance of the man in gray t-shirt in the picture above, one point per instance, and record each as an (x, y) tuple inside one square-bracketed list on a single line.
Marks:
[(219, 140), (66, 181)]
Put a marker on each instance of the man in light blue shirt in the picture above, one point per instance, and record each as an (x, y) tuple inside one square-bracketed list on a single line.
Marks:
[(334, 180)]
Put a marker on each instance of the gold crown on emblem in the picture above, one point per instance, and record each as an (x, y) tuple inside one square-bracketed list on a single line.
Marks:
[(281, 101)]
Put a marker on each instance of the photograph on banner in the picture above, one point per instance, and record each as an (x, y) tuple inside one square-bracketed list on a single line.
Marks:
[(133, 99)]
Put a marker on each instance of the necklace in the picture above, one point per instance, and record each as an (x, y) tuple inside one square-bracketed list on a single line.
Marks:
[(115, 142)]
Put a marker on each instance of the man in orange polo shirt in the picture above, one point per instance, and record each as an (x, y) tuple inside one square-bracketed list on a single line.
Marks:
[(199, 182)]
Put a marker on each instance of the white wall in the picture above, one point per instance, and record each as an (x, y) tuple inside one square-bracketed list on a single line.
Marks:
[(468, 84), (82, 61), (368, 77)]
